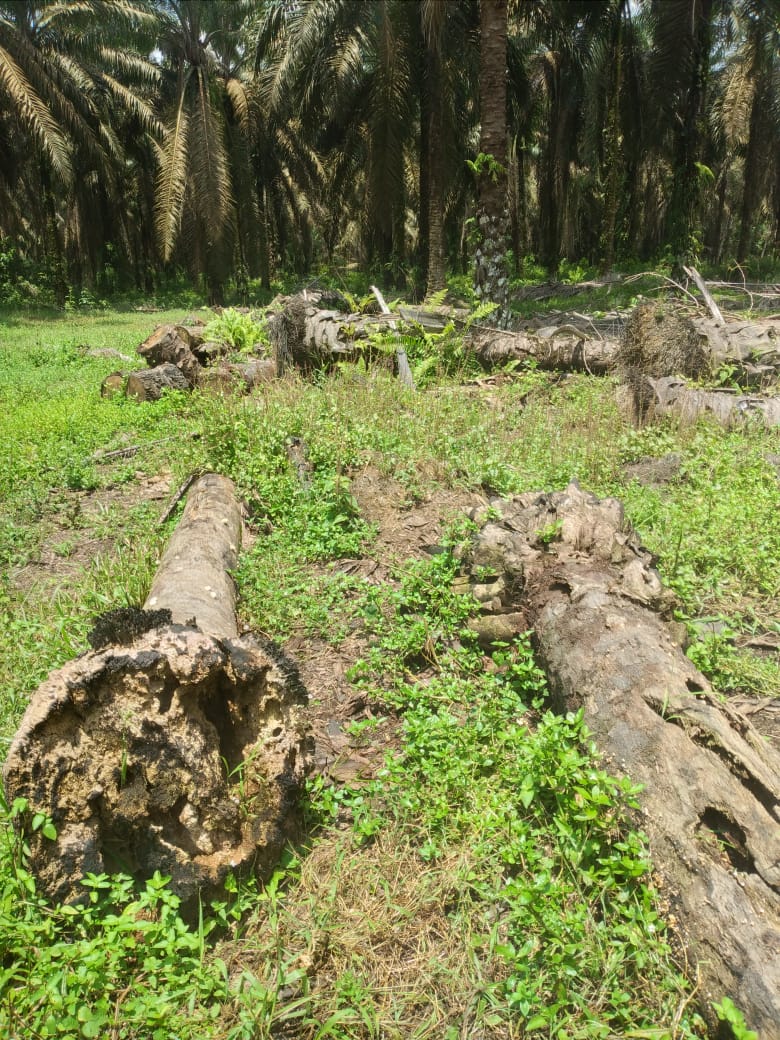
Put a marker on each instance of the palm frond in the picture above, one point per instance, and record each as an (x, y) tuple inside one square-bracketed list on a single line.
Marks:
[(208, 163), (172, 178), (237, 95), (134, 105), (34, 113)]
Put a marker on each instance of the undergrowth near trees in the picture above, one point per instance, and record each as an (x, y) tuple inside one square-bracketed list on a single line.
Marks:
[(490, 881)]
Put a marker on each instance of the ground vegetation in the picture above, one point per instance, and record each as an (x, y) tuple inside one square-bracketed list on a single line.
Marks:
[(470, 865)]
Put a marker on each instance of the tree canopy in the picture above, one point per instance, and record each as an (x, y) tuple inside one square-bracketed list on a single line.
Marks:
[(144, 139)]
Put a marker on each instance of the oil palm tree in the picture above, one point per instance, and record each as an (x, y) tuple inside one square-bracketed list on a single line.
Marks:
[(67, 74), (202, 91), (748, 112), (491, 277)]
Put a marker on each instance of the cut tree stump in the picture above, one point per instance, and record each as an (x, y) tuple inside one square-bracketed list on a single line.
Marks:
[(113, 385), (711, 784), (308, 338), (172, 345), (148, 384), (174, 745)]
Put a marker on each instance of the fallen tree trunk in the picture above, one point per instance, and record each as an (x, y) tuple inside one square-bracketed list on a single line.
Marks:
[(149, 383), (565, 347), (174, 745), (668, 339), (236, 378), (308, 338), (671, 396), (195, 578), (711, 785)]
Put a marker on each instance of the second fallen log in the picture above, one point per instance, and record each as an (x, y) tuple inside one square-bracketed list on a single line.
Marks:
[(149, 383), (578, 576)]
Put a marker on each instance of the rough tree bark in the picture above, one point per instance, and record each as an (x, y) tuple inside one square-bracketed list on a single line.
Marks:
[(711, 784), (149, 383), (172, 345), (668, 339), (491, 269), (558, 347), (308, 338), (174, 745), (671, 396)]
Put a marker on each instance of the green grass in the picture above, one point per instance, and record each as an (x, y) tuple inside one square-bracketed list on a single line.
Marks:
[(489, 881)]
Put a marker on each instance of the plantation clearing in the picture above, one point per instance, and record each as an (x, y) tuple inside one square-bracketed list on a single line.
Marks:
[(468, 866)]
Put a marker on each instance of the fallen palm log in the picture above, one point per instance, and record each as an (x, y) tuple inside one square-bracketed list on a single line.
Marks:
[(710, 799), (149, 383), (565, 347), (667, 338), (233, 378), (672, 396), (308, 338), (174, 745)]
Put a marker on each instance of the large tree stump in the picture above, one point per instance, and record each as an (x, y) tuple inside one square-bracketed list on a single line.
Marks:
[(711, 794), (172, 345), (177, 747), (307, 337)]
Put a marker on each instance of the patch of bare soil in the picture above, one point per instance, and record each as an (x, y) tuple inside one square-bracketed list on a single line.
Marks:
[(81, 531), (407, 528)]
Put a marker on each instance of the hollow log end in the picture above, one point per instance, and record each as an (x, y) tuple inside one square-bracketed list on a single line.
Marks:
[(181, 753)]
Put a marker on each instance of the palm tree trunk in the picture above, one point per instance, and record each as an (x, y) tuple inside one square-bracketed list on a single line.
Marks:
[(686, 179), (750, 187), (612, 153), (491, 278), (435, 280)]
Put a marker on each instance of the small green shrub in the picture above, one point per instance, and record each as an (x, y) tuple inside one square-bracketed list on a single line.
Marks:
[(241, 331)]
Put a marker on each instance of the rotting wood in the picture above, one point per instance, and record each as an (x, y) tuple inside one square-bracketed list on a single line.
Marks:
[(113, 385), (554, 347), (672, 396), (298, 454), (170, 344), (666, 339), (710, 798), (149, 383), (308, 338), (169, 747)]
